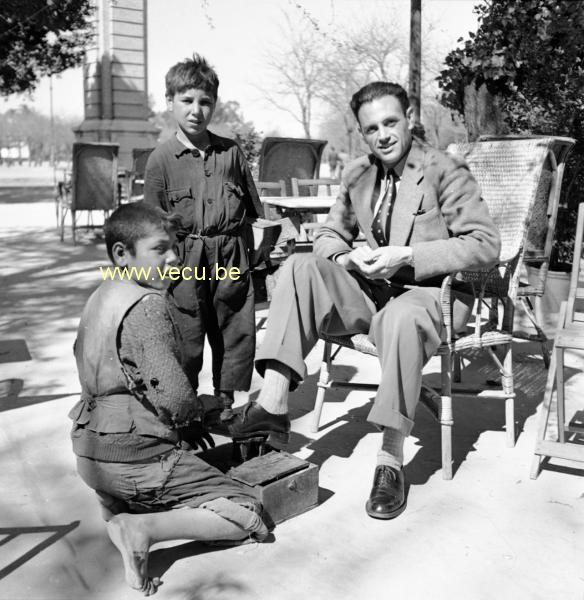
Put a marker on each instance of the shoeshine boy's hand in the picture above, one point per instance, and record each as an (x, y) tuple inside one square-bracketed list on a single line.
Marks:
[(383, 262), (196, 436)]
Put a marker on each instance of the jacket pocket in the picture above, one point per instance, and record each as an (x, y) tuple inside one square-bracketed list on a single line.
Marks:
[(181, 203), (429, 226)]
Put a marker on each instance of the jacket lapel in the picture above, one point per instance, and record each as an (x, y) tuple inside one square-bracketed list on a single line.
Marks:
[(409, 198), (361, 196)]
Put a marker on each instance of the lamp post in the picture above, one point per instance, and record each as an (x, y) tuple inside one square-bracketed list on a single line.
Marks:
[(415, 78), (52, 128)]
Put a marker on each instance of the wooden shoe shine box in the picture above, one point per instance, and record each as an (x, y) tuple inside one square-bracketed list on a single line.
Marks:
[(285, 484)]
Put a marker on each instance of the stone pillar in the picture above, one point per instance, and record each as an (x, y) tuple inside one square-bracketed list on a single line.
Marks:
[(115, 80)]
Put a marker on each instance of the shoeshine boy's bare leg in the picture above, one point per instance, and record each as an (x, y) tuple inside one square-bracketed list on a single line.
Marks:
[(133, 534)]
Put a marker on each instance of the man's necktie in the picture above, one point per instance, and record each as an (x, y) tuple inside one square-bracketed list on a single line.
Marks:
[(381, 221)]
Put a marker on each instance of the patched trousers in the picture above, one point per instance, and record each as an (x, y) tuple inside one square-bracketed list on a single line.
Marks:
[(314, 295)]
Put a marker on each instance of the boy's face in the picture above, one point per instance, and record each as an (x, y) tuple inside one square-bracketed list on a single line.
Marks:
[(193, 110), (152, 254), (386, 129)]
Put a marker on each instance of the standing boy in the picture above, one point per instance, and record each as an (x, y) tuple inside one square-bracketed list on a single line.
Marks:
[(205, 180), (137, 408)]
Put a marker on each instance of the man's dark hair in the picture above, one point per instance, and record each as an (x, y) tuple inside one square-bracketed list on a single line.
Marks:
[(191, 73), (378, 89), (132, 222)]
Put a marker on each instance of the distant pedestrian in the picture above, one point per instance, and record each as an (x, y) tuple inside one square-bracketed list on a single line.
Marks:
[(343, 160), (333, 161)]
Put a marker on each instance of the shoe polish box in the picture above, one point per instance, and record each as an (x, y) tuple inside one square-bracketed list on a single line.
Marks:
[(285, 484)]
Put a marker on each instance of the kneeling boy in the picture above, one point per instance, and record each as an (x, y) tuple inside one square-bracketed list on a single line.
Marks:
[(135, 404)]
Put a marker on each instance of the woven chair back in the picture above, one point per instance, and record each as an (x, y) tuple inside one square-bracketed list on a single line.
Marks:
[(94, 177), (139, 159), (284, 158), (509, 174)]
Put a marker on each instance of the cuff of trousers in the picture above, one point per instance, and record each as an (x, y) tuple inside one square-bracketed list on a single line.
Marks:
[(384, 418), (294, 363)]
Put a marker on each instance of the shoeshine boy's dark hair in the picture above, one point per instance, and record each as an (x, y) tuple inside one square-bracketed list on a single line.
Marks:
[(132, 222), (191, 73), (378, 89)]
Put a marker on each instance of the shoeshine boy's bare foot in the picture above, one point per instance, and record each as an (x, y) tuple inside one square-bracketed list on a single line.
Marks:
[(134, 546)]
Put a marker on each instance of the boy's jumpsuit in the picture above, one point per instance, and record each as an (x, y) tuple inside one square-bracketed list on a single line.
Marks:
[(213, 196)]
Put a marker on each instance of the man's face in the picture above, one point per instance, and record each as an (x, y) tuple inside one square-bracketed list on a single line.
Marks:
[(152, 254), (193, 110), (386, 129)]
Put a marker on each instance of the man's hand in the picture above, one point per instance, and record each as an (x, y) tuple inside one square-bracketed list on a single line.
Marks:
[(377, 264), (355, 260)]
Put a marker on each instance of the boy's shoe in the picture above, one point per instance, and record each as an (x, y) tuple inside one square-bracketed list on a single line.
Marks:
[(254, 421)]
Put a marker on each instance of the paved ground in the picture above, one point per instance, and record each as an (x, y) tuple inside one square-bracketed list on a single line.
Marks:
[(489, 533)]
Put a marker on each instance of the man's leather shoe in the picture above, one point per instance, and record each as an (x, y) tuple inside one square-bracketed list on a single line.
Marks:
[(387, 499), (254, 421)]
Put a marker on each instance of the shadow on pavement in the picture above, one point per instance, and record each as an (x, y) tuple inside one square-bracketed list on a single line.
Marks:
[(473, 415), (11, 533), (162, 559), (19, 194), (10, 398)]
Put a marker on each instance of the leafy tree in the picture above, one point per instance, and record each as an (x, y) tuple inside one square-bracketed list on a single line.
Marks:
[(529, 57), (523, 72), (40, 37), (26, 126)]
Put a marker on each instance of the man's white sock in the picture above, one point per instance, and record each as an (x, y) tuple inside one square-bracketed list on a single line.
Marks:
[(274, 394), (391, 452)]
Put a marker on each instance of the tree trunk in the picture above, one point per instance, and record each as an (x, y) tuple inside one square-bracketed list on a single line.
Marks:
[(482, 113)]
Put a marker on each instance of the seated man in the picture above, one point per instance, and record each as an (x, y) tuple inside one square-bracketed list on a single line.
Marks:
[(138, 410), (423, 217)]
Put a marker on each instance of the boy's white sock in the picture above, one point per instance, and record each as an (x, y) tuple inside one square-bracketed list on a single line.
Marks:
[(274, 395), (391, 452)]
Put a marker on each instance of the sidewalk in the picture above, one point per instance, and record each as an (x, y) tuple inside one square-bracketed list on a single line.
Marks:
[(489, 533)]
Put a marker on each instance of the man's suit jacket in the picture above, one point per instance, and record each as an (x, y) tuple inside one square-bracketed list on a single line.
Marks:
[(438, 211)]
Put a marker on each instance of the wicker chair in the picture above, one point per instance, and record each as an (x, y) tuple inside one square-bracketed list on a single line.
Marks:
[(310, 187), (93, 185), (540, 236), (509, 173), (273, 188), (284, 158), (134, 178)]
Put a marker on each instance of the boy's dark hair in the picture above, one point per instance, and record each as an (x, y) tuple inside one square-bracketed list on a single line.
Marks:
[(191, 73), (132, 222), (378, 89)]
